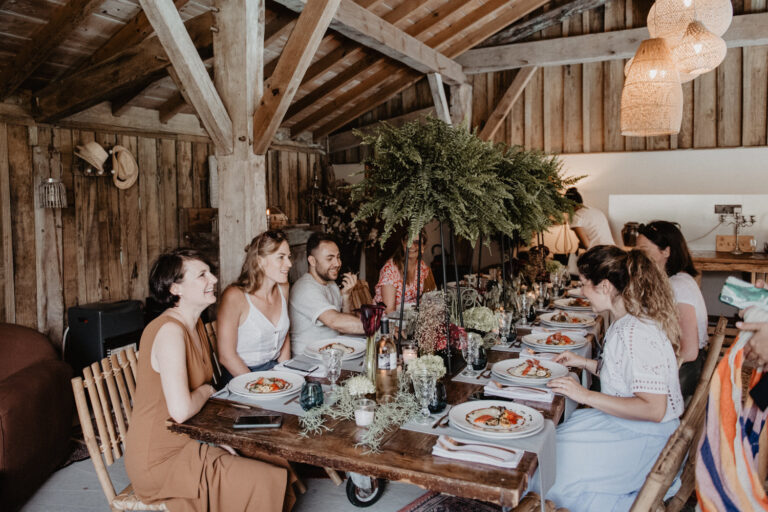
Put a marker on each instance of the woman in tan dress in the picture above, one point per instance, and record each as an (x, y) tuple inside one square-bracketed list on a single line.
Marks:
[(173, 380)]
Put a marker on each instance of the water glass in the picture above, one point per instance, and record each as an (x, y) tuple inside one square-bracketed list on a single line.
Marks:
[(506, 319), (311, 395), (525, 305), (470, 351), (424, 387), (332, 361)]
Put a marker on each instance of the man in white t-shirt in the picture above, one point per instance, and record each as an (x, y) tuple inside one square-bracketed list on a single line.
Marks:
[(589, 224), (318, 308)]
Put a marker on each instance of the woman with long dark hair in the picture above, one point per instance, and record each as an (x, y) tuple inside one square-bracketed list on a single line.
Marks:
[(604, 452), (389, 289), (663, 242), (252, 321), (173, 380)]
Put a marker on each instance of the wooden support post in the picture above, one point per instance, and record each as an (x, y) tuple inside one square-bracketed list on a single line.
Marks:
[(166, 21), (6, 231), (238, 67), (461, 104), (438, 97), (507, 101)]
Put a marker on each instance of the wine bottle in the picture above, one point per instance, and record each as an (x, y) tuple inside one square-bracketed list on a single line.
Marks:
[(386, 365)]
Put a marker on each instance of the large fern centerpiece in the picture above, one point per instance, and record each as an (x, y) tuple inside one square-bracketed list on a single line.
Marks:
[(419, 172)]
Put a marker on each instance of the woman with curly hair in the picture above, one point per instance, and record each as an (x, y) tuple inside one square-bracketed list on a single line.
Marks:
[(253, 317), (604, 452)]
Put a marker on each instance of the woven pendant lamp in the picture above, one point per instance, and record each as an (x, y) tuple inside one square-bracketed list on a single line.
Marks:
[(670, 18), (699, 51), (652, 98), (684, 77)]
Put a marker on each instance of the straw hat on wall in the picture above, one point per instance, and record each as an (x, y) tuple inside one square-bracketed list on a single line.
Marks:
[(94, 154), (125, 171)]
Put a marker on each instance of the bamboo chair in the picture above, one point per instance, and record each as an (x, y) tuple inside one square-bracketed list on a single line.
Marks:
[(111, 389), (683, 442), (210, 332), (531, 502)]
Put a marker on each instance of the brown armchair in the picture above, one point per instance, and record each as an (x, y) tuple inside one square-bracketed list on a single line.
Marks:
[(36, 408)]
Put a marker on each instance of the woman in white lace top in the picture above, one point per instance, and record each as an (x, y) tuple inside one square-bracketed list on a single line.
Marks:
[(604, 452)]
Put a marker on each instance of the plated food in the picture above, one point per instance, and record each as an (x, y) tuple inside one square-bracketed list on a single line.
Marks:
[(530, 369), (566, 319), (573, 304), (351, 348), (498, 419), (554, 342), (266, 385)]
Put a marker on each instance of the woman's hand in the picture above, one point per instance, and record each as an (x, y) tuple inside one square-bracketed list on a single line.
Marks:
[(569, 387), (568, 358)]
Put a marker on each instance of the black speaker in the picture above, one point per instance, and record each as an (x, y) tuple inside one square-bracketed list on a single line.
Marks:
[(97, 330)]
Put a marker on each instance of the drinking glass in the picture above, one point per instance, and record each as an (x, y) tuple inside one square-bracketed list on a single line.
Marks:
[(311, 395), (424, 387), (525, 306), (505, 322), (469, 350), (332, 361)]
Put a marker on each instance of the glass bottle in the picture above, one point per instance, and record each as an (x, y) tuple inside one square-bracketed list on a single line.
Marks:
[(386, 364)]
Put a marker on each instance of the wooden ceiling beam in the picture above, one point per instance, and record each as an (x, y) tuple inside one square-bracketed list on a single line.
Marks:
[(46, 39), (348, 140), (142, 63), (119, 103), (172, 106), (191, 72), (477, 17), (523, 29), (438, 97), (506, 102), (745, 30), (279, 27), (130, 34), (294, 61), (364, 27)]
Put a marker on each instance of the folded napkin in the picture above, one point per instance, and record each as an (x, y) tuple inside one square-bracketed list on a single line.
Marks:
[(477, 451), (520, 392), (548, 356)]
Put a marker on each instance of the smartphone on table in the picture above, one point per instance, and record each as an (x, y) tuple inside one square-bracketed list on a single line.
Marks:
[(259, 421)]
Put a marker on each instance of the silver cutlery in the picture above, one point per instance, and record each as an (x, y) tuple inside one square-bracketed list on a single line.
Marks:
[(527, 388), (459, 444), (468, 450), (439, 422)]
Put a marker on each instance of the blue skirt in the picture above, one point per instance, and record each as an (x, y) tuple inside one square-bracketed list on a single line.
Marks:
[(602, 460)]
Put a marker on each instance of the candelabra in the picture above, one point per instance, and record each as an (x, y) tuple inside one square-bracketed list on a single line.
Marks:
[(739, 221)]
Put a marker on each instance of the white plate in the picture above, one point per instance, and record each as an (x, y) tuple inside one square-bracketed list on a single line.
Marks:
[(501, 368), (575, 294), (238, 385), (533, 423), (356, 347), (565, 304), (584, 320), (537, 341)]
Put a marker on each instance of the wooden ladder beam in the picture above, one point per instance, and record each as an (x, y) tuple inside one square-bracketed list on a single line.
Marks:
[(507, 101)]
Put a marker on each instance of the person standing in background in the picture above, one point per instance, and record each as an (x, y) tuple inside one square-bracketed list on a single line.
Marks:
[(589, 224)]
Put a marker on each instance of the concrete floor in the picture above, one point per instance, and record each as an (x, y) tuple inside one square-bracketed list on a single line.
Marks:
[(76, 489)]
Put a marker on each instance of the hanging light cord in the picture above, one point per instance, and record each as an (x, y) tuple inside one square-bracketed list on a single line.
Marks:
[(705, 234)]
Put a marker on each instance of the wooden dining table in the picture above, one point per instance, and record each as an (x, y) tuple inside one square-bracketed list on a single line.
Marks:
[(404, 456)]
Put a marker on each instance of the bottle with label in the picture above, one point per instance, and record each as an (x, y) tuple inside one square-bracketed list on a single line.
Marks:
[(386, 365)]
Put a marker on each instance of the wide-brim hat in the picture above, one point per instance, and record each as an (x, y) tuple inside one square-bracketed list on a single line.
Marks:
[(125, 170), (93, 153)]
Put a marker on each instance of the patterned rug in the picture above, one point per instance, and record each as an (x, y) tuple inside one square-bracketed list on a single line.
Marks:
[(77, 449), (436, 502)]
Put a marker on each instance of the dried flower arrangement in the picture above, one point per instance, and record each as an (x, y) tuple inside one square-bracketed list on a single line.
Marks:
[(389, 416), (433, 364)]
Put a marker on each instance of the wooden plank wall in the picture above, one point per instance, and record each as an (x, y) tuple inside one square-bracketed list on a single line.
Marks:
[(101, 247), (574, 109)]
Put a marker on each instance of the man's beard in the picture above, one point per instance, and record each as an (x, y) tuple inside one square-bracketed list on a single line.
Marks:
[(326, 275)]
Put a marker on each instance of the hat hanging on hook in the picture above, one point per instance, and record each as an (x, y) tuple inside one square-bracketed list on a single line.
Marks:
[(94, 154), (125, 170)]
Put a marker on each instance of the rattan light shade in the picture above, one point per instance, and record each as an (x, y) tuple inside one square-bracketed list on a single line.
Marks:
[(684, 77), (652, 98), (699, 51), (670, 18)]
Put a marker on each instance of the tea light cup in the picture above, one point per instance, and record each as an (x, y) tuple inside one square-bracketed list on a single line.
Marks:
[(410, 352), (364, 412)]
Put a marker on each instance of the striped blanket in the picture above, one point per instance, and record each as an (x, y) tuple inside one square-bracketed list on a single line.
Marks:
[(727, 475)]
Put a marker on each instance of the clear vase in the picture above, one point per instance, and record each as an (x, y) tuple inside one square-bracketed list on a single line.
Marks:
[(370, 359)]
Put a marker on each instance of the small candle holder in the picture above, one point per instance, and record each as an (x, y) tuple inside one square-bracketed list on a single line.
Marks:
[(410, 352), (364, 411)]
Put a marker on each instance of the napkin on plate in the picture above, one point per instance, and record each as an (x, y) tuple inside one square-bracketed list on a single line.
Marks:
[(520, 392), (477, 451)]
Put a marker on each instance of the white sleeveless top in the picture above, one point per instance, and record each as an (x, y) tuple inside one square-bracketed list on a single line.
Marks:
[(259, 340)]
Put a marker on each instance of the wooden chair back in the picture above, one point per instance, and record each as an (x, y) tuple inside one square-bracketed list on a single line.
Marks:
[(683, 442), (104, 399)]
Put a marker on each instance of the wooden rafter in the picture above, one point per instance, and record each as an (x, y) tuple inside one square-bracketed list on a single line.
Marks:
[(507, 101), (191, 72), (142, 63), (361, 25), (348, 140), (171, 107), (476, 18), (279, 27), (64, 20), (130, 34), (119, 103), (745, 30), (294, 61), (438, 97), (452, 49), (527, 28)]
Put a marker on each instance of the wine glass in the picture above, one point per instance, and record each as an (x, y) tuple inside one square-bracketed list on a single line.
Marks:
[(469, 350), (332, 361), (525, 305), (424, 387), (505, 322)]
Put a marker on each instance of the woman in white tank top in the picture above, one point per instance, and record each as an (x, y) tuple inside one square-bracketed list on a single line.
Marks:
[(252, 320)]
